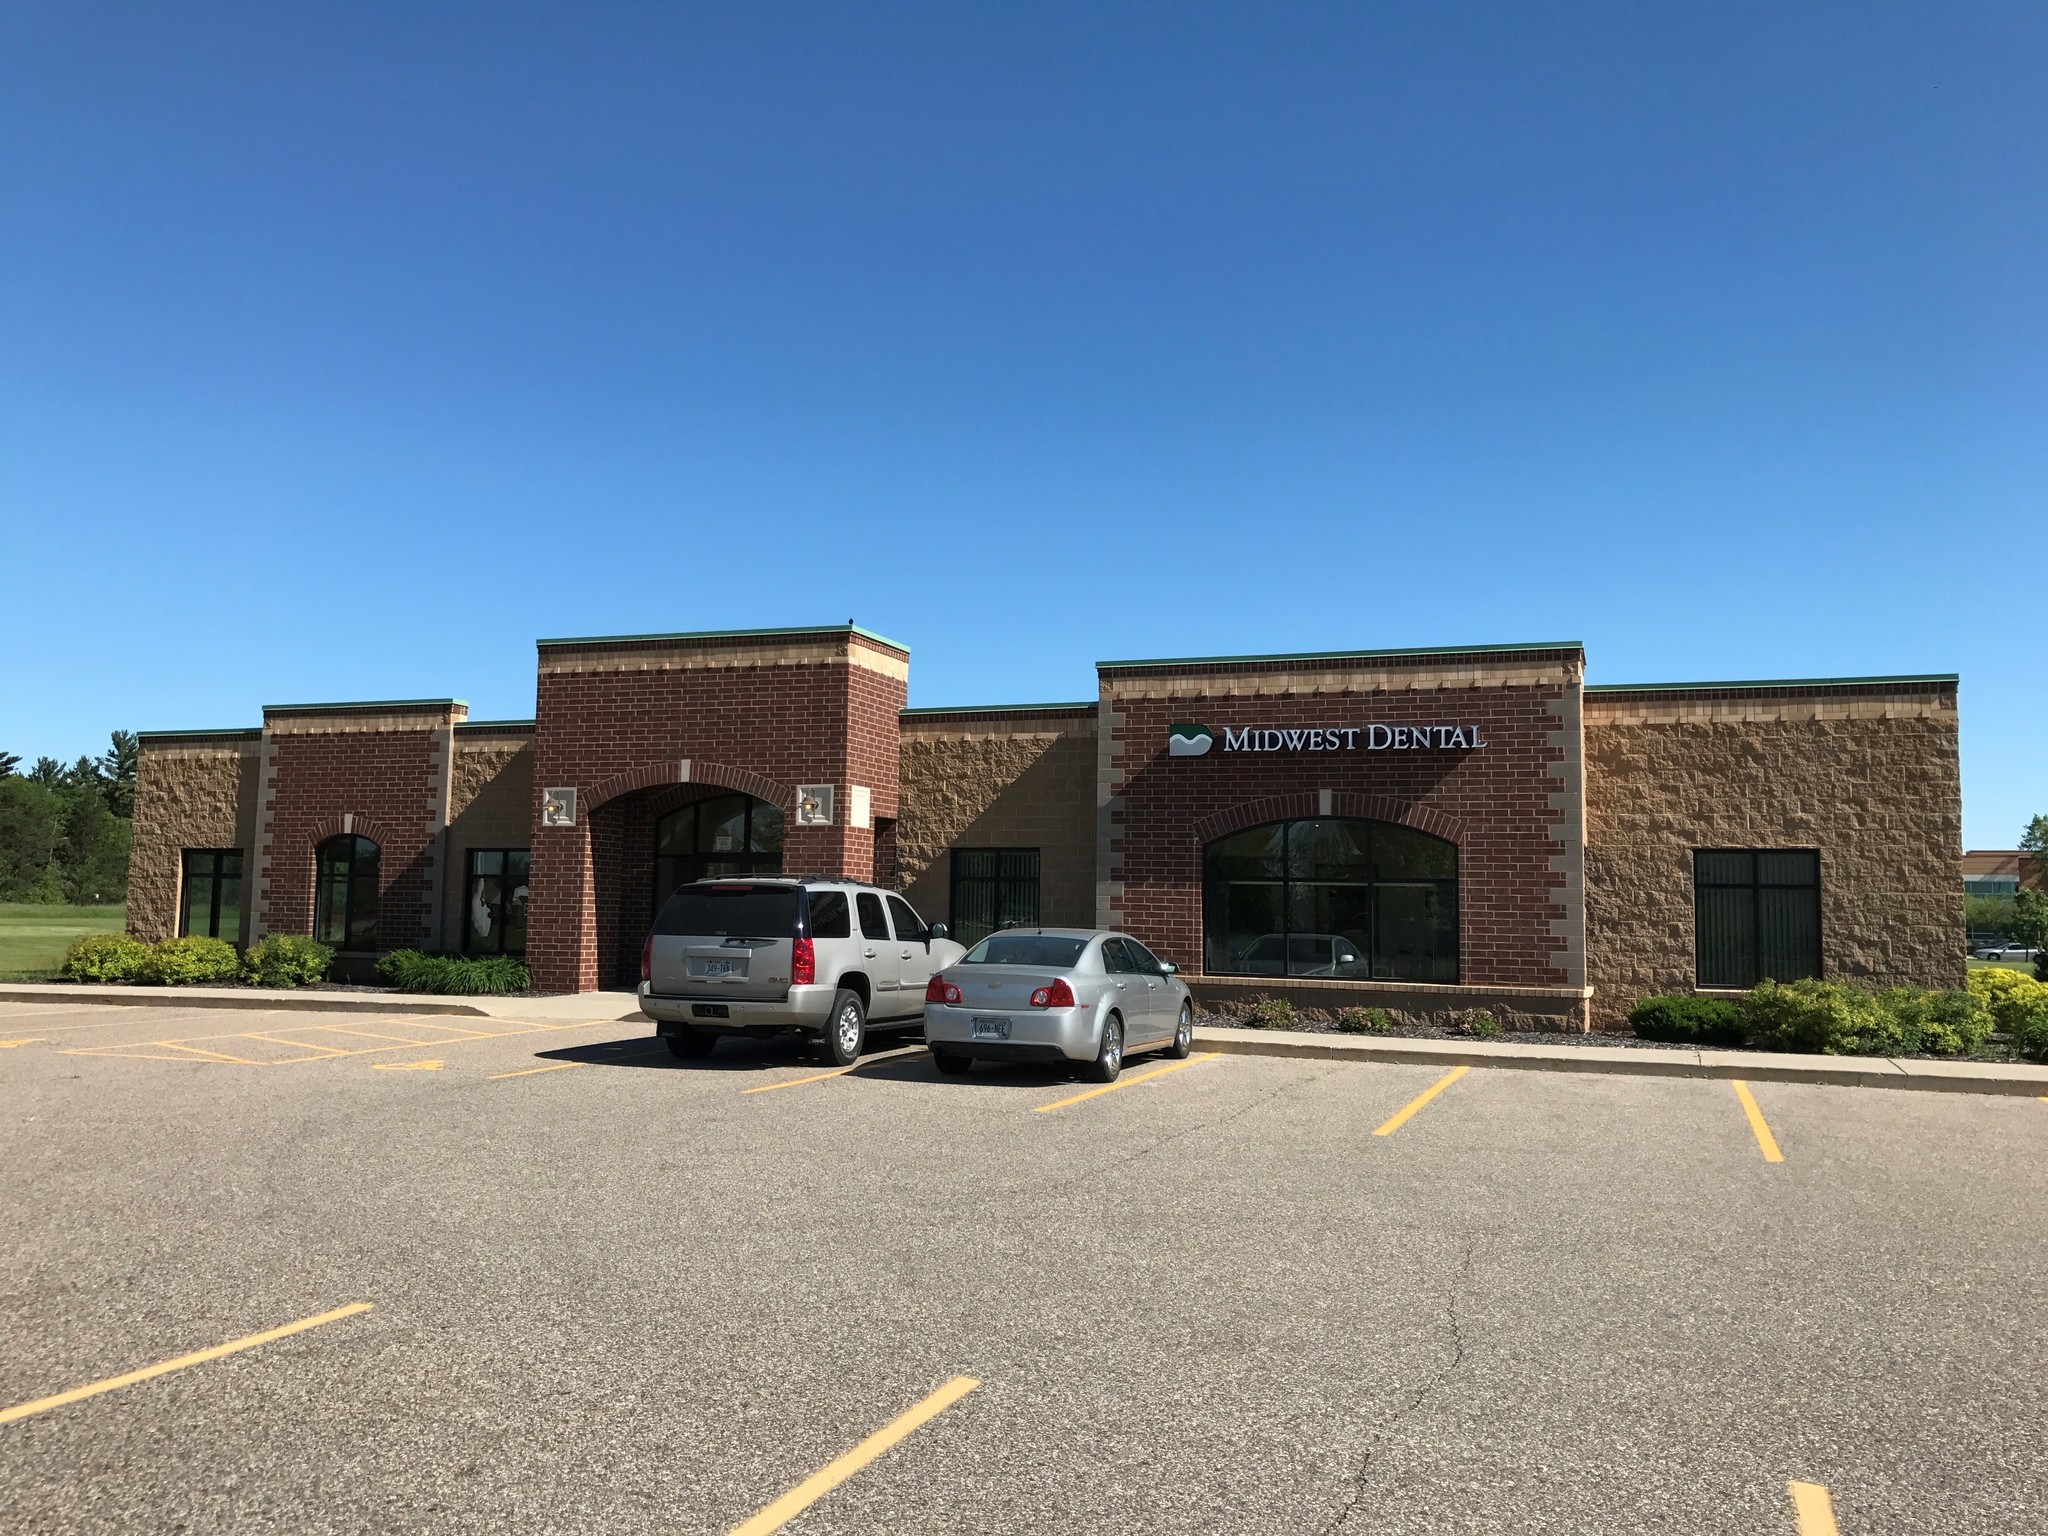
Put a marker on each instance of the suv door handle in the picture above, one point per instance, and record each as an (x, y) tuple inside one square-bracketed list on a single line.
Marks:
[(869, 953)]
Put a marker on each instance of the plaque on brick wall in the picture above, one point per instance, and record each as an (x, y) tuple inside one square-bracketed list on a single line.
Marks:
[(814, 805), (558, 808)]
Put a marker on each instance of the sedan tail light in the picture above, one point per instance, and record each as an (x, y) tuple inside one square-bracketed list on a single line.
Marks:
[(940, 990), (803, 963), (647, 959), (1058, 995)]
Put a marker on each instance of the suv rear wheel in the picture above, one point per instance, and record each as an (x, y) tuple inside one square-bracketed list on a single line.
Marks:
[(690, 1044), (848, 1030)]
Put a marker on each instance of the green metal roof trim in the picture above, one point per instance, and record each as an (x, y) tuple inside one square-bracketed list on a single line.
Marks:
[(1404, 650), (494, 725), (221, 730), (730, 634), (1776, 682), (281, 709), (998, 709)]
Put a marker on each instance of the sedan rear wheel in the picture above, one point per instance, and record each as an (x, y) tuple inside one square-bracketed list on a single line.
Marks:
[(1109, 1057), (952, 1063)]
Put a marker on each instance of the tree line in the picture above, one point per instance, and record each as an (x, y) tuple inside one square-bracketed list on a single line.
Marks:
[(64, 832)]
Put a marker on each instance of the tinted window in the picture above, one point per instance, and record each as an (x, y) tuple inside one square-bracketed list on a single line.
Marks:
[(1756, 914), (830, 918), (909, 926), (730, 911), (1142, 957), (872, 924), (1116, 958), (1044, 949)]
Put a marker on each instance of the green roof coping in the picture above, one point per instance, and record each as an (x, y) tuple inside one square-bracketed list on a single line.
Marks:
[(485, 725), (1401, 650), (278, 709), (997, 709), (211, 730), (1775, 682), (730, 634)]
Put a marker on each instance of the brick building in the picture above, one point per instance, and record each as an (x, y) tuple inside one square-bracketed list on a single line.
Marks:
[(1422, 830)]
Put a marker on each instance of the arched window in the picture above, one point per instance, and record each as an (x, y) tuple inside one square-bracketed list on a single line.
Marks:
[(345, 893), (728, 835), (1331, 898)]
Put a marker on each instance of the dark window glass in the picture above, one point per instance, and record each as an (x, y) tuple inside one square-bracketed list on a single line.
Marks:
[(830, 917), (716, 839), (993, 889), (1144, 959), (1116, 958), (872, 924), (1040, 949), (494, 901), (1756, 915), (345, 893), (1331, 897), (909, 926), (730, 911), (210, 894)]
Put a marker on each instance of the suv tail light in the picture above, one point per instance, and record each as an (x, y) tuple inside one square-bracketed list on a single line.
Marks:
[(940, 990), (803, 963), (647, 959), (1058, 995)]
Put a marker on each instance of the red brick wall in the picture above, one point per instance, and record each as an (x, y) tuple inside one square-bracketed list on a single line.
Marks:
[(615, 734), (1495, 803), (387, 780)]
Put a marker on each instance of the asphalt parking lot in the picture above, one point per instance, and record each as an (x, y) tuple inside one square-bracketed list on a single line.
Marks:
[(601, 1291)]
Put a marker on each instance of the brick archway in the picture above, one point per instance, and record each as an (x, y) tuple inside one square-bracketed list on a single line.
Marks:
[(348, 823), (690, 771), (1307, 804)]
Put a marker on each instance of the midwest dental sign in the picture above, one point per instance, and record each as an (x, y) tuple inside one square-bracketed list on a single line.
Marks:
[(1199, 740)]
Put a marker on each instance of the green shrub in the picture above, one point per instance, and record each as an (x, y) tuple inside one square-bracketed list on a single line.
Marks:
[(459, 975), (189, 962), (1364, 1021), (2026, 1020), (1270, 1013), (286, 960), (1478, 1023), (1688, 1020), (1822, 1018), (104, 957), (1937, 1023)]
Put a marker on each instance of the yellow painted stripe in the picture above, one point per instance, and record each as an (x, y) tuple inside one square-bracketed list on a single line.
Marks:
[(560, 1066), (78, 1394), (1765, 1141), (819, 1077), (830, 1476), (8, 1045), (1415, 1105), (1129, 1082), (1813, 1509)]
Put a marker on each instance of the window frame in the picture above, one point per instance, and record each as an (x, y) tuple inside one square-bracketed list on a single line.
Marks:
[(469, 879), (1756, 886), (997, 885), (694, 864), (321, 895), (185, 857)]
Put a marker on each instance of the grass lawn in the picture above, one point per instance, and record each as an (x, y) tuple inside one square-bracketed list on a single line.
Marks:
[(33, 938), (2024, 967)]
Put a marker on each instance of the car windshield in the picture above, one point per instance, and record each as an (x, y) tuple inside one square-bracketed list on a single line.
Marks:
[(730, 911), (1044, 949)]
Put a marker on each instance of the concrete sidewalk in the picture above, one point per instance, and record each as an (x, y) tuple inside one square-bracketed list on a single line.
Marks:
[(2019, 1078), (591, 1007)]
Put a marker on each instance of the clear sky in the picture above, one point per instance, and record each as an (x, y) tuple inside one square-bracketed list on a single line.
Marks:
[(344, 351)]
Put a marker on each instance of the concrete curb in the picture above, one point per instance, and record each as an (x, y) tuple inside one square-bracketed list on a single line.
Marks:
[(235, 997), (2018, 1078)]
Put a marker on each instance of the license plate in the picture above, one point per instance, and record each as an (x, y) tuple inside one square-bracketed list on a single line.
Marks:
[(991, 1029), (713, 969)]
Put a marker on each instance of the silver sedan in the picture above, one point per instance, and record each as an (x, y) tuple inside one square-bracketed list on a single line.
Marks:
[(1057, 994)]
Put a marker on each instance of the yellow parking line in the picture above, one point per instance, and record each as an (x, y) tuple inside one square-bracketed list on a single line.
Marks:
[(1766, 1142), (1415, 1105), (819, 1077), (8, 1045), (1129, 1082), (365, 1034), (1813, 1509), (813, 1488), (199, 1357), (559, 1066)]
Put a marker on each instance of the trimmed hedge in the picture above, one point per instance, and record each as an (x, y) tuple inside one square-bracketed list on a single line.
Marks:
[(2018, 1004), (104, 957), (188, 962), (286, 960), (1688, 1020), (459, 975)]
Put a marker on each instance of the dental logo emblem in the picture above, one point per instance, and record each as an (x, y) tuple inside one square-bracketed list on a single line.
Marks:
[(1189, 741)]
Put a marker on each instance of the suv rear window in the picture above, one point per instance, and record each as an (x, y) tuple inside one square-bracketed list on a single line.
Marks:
[(829, 918), (1026, 949), (730, 911)]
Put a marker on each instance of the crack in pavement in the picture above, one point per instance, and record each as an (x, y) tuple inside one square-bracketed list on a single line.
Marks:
[(1381, 1432)]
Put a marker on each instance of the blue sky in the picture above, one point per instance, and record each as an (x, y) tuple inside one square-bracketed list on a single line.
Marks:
[(344, 352)]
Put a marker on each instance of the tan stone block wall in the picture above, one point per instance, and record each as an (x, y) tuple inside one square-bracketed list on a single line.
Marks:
[(1879, 796), (186, 797), (490, 805), (1009, 788)]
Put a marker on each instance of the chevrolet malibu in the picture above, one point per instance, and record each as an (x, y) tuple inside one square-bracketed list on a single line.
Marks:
[(1056, 994)]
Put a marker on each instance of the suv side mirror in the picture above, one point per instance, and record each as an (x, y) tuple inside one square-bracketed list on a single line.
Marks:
[(938, 931)]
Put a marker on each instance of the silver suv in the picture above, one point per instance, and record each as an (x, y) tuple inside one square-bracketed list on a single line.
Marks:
[(759, 955)]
